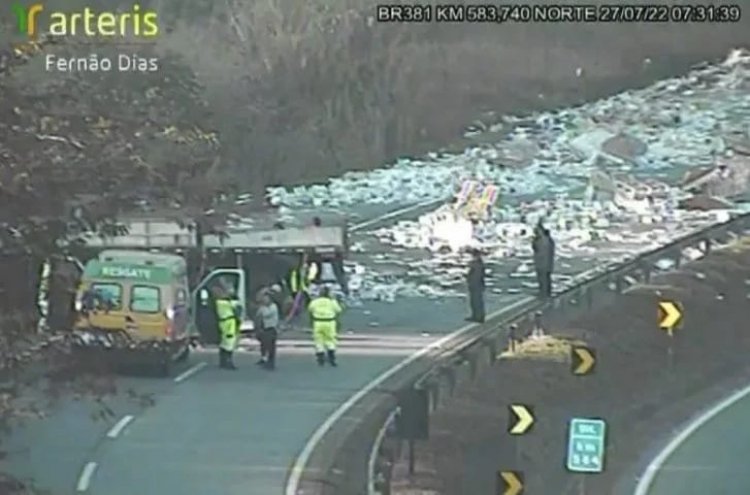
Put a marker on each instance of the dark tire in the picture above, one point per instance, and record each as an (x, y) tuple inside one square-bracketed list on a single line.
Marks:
[(81, 356), (184, 354), (164, 366)]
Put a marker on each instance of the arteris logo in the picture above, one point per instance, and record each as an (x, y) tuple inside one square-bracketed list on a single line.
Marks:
[(86, 22)]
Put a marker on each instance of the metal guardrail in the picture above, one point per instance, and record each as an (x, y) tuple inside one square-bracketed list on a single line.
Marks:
[(460, 360)]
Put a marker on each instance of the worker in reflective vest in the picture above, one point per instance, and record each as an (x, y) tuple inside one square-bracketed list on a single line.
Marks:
[(301, 276), (324, 312), (226, 313), (300, 279)]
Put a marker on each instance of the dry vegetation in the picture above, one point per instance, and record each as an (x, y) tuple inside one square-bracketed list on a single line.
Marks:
[(308, 89), (73, 153)]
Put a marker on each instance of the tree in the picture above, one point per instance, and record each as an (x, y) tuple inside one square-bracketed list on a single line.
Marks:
[(76, 150)]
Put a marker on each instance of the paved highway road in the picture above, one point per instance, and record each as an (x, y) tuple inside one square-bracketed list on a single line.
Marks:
[(222, 432), (228, 433), (708, 457), (212, 431)]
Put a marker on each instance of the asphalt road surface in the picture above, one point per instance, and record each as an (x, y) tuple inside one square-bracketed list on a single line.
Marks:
[(227, 433), (708, 456), (222, 432)]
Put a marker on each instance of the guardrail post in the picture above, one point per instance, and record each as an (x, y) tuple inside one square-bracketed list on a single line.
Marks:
[(538, 328), (412, 459), (706, 246), (512, 337), (450, 373), (492, 346), (473, 357), (678, 259), (646, 269), (434, 396), (589, 295), (619, 283)]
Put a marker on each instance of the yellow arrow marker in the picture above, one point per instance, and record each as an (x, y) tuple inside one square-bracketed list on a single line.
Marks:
[(512, 483), (670, 315), (584, 360), (520, 419)]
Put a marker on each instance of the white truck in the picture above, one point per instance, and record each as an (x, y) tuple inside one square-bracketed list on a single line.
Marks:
[(244, 258)]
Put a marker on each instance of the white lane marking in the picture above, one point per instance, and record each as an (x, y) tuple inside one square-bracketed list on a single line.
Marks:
[(85, 479), (647, 480), (394, 213), (303, 458), (189, 372), (374, 454), (115, 431)]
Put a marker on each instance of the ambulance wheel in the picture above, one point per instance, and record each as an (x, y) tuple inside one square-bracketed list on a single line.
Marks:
[(164, 367), (184, 354), (81, 355)]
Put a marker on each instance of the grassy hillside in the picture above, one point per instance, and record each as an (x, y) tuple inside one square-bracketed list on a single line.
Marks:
[(306, 91), (301, 90)]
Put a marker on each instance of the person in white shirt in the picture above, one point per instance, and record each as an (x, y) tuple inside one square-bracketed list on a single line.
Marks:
[(267, 317)]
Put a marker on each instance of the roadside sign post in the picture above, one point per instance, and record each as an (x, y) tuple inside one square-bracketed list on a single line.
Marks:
[(669, 317), (412, 459), (670, 352), (586, 445)]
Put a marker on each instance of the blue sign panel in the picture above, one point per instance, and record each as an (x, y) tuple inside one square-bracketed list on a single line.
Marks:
[(586, 445)]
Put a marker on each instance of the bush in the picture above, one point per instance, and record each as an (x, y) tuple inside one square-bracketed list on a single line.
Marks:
[(309, 89)]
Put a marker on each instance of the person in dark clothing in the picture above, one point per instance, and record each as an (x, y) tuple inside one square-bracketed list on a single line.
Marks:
[(475, 281), (62, 291), (208, 324), (544, 259), (338, 269)]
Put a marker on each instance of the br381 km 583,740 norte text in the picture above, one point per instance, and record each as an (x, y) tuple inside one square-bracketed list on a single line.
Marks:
[(501, 13)]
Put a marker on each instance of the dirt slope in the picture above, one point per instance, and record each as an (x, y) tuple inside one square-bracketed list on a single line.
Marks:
[(635, 388)]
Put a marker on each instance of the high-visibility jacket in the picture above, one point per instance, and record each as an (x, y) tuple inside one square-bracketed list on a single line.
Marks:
[(312, 271), (324, 309), (227, 316), (295, 284), (300, 283)]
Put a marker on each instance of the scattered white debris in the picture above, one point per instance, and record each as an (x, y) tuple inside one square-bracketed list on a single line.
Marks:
[(604, 177), (681, 121)]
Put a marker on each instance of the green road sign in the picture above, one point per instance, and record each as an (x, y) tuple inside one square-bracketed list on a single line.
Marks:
[(586, 444)]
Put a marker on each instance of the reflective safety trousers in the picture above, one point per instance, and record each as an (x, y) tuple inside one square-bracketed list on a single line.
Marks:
[(324, 336), (227, 324)]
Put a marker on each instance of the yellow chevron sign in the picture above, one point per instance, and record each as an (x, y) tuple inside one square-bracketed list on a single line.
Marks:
[(670, 316), (511, 483), (520, 419), (583, 360)]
